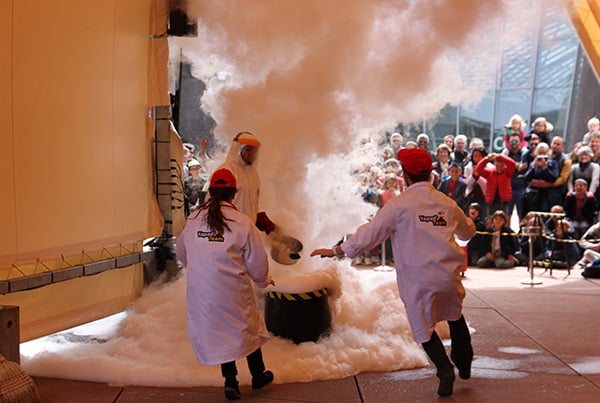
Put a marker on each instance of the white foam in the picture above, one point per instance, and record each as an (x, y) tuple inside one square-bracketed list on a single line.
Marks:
[(518, 350)]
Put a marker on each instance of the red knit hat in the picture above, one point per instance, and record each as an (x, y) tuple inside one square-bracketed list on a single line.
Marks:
[(222, 178), (415, 160)]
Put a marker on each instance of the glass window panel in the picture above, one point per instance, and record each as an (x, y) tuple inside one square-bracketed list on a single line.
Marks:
[(444, 124), (556, 25), (552, 103), (556, 64), (516, 66), (476, 121), (508, 103), (557, 51)]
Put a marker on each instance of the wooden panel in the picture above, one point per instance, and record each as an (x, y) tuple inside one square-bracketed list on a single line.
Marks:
[(8, 235)]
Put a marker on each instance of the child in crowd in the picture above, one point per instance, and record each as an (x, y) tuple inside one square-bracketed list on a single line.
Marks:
[(475, 247), (514, 125), (501, 244), (390, 189), (550, 222), (542, 128), (454, 185), (561, 249), (537, 241), (593, 126)]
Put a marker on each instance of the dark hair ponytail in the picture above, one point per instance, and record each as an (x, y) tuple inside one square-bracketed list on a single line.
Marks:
[(214, 217)]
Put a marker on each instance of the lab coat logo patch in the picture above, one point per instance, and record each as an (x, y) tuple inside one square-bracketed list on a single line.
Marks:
[(211, 236), (437, 220)]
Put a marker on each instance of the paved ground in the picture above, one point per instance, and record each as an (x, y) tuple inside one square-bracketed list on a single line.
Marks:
[(532, 344)]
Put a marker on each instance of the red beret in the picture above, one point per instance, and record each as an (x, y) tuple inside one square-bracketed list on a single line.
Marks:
[(415, 160), (222, 178)]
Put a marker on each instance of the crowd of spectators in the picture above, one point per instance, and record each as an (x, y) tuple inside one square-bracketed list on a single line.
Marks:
[(533, 173), (195, 175)]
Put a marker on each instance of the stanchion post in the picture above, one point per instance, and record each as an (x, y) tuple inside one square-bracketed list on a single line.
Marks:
[(9, 333), (383, 266), (532, 231)]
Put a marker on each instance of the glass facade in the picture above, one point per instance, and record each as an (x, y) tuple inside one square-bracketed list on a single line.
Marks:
[(535, 78), (475, 121)]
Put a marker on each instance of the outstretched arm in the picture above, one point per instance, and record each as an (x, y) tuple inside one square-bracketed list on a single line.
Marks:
[(333, 252)]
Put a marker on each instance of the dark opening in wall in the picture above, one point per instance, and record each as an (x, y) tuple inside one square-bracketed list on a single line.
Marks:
[(180, 24)]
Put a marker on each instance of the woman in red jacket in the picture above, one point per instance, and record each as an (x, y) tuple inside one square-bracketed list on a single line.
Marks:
[(498, 191)]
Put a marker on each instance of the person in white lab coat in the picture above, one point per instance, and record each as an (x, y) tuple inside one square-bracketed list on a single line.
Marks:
[(423, 223), (223, 253)]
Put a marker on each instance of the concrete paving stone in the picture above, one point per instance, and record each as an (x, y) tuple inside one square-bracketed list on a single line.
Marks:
[(485, 386), (499, 345), (594, 378), (339, 390), (53, 390), (472, 300), (135, 394), (342, 390), (560, 322)]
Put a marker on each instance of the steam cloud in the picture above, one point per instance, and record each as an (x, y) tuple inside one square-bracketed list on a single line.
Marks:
[(308, 78)]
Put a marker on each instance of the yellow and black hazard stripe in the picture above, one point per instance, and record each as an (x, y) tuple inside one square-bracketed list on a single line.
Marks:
[(297, 297)]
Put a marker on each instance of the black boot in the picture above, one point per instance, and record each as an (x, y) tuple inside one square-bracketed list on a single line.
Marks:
[(229, 372), (446, 385), (232, 390), (461, 351), (262, 379), (445, 370)]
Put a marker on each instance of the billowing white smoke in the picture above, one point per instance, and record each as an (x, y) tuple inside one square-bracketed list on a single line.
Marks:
[(308, 78)]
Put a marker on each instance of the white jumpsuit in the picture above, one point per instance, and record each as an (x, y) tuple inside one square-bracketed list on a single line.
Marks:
[(422, 222), (247, 180), (224, 321)]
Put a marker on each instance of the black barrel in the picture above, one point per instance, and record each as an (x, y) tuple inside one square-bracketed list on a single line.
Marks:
[(299, 317)]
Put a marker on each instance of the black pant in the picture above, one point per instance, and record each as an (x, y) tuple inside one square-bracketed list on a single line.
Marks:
[(255, 361)]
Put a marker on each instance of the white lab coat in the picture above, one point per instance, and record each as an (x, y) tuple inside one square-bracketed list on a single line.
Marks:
[(224, 321), (422, 223), (247, 179)]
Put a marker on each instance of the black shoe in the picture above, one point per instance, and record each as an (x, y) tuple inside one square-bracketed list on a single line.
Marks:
[(261, 380), (464, 373), (232, 390), (446, 382), (463, 365)]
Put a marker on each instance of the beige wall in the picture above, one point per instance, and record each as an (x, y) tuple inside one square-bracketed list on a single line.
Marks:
[(77, 80), (75, 152)]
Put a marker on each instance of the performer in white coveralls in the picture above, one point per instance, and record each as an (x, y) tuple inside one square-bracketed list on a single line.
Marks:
[(223, 253), (241, 161), (422, 223)]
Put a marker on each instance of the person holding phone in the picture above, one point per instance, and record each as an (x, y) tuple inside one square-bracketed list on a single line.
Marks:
[(545, 168)]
